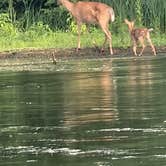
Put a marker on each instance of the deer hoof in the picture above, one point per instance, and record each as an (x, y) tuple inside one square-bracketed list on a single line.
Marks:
[(102, 51), (78, 49)]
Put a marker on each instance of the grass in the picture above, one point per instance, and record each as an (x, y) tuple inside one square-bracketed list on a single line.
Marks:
[(40, 35), (69, 40)]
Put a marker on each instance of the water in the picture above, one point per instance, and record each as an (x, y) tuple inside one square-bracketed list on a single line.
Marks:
[(90, 112)]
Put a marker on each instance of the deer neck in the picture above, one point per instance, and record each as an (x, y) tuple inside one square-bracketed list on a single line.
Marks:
[(68, 5)]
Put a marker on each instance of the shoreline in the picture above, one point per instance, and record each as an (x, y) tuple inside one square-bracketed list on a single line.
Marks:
[(71, 52)]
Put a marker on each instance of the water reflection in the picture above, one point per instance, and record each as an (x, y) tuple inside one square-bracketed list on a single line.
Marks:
[(90, 98), (111, 112), (138, 84)]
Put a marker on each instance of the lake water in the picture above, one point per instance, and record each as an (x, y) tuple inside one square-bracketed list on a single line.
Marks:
[(89, 112)]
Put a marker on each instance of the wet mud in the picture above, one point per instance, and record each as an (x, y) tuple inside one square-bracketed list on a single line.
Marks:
[(72, 53)]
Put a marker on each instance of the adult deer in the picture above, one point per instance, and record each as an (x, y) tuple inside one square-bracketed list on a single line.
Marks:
[(91, 13)]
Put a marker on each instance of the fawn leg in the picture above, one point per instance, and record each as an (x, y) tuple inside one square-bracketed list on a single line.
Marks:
[(141, 40), (135, 48), (152, 46)]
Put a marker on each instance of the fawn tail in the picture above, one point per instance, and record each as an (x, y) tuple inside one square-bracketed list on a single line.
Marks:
[(151, 29)]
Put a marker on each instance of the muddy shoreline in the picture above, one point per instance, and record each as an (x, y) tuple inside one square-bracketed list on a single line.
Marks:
[(69, 53)]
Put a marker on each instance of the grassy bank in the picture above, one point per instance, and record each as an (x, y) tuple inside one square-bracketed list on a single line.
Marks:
[(40, 35), (44, 24), (34, 39)]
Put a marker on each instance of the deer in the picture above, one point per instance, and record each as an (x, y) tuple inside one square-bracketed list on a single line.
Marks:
[(91, 13), (138, 35)]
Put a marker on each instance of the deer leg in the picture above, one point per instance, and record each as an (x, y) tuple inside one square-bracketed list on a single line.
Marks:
[(108, 36), (143, 46), (104, 26), (110, 42), (105, 41), (79, 32), (135, 48), (152, 46)]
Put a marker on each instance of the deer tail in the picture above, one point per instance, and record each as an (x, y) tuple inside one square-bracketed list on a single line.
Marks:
[(151, 29), (112, 14)]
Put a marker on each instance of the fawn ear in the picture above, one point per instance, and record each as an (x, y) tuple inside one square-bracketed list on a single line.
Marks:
[(126, 21)]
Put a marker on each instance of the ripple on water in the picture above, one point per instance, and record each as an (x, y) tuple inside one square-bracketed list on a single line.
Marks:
[(146, 130), (65, 150)]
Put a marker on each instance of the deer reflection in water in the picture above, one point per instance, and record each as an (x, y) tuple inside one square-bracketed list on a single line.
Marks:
[(92, 100)]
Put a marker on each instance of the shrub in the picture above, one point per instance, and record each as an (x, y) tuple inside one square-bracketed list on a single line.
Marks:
[(37, 30), (7, 29)]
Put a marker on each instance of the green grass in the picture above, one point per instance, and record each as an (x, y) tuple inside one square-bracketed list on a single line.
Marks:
[(40, 35), (69, 40)]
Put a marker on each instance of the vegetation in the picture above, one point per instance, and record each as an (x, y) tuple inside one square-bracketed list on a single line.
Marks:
[(43, 24)]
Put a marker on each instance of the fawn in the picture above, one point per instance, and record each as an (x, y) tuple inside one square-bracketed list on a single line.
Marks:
[(138, 35), (91, 13)]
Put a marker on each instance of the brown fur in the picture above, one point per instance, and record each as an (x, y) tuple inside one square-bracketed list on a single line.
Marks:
[(91, 13), (138, 35)]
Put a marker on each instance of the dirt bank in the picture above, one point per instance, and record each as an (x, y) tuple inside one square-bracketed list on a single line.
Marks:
[(69, 53)]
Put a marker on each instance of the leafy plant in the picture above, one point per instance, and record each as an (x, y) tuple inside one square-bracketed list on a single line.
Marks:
[(6, 26), (37, 30)]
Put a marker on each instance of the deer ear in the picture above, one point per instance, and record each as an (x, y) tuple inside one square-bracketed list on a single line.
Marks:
[(126, 20), (133, 22)]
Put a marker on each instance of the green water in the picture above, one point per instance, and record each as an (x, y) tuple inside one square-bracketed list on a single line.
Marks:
[(91, 112)]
